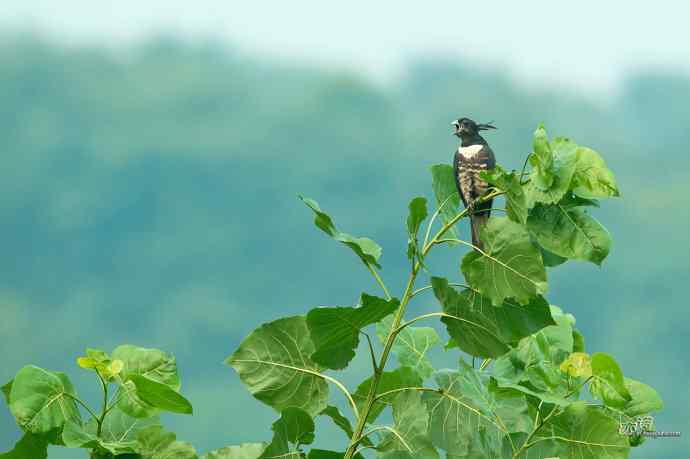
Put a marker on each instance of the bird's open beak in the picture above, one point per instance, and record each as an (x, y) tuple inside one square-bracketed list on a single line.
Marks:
[(456, 127)]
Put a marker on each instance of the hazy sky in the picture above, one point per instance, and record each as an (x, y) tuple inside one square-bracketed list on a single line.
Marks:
[(584, 44)]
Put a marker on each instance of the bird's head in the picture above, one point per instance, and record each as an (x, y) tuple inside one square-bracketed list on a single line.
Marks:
[(465, 128)]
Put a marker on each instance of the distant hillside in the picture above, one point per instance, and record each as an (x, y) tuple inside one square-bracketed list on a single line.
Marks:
[(151, 198)]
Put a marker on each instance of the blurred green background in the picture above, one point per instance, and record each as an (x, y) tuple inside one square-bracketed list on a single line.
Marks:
[(148, 196)]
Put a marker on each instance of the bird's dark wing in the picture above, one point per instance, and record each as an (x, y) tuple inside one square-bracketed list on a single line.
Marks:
[(456, 175)]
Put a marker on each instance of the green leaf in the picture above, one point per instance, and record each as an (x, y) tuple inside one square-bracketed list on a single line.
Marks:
[(243, 451), (558, 176), (154, 442), (643, 399), (151, 363), (550, 259), (536, 360), (569, 233), (484, 330), (415, 218), (120, 429), (592, 178), (342, 422), (335, 331), (578, 341), (75, 436), (465, 405), (578, 365), (160, 396), (608, 384), (411, 345), (510, 267), (274, 364), (446, 191), (295, 427), (366, 249), (410, 436), (30, 446), (338, 419), (390, 380), (6, 389), (42, 400), (541, 158), (581, 431), (118, 433), (516, 201)]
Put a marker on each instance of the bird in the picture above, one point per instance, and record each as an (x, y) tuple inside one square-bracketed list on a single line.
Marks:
[(473, 156)]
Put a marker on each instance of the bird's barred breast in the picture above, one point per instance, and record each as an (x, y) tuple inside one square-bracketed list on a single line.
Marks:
[(471, 164)]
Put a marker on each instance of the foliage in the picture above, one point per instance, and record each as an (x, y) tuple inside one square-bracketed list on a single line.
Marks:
[(525, 399)]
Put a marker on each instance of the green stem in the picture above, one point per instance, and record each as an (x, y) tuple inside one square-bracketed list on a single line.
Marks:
[(524, 166), (433, 218), (428, 287), (371, 351), (81, 402), (379, 280), (104, 410), (407, 295), (402, 389)]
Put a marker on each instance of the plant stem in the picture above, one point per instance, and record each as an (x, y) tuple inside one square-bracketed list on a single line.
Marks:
[(407, 295), (378, 280), (81, 402), (428, 287), (104, 410)]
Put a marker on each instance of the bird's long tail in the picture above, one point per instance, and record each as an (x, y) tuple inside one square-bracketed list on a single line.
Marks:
[(478, 221)]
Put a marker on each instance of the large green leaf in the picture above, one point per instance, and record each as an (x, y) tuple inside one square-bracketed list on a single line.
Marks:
[(415, 218), (465, 405), (536, 361), (30, 446), (643, 399), (484, 330), (390, 380), (243, 451), (150, 363), (580, 431), (411, 345), (446, 193), (274, 364), (608, 383), (118, 433), (335, 331), (559, 175), (569, 233), (510, 266), (160, 395), (592, 178), (409, 437), (42, 400), (295, 427), (366, 249), (154, 442), (516, 201)]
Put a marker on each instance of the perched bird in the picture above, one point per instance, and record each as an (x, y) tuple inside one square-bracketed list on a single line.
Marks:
[(473, 156)]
